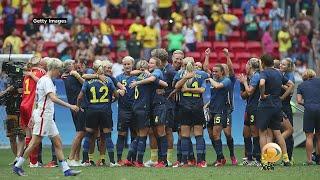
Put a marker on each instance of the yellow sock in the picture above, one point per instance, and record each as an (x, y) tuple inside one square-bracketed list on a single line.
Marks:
[(154, 155), (102, 156), (169, 155), (90, 157), (263, 160), (285, 157)]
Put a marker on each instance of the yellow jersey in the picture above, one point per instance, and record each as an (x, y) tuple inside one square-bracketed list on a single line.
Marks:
[(16, 43), (165, 3), (150, 37), (199, 31), (106, 29), (138, 28)]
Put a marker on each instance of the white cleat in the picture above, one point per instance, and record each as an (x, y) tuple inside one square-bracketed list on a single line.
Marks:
[(169, 164), (36, 165), (85, 164), (114, 165), (150, 163)]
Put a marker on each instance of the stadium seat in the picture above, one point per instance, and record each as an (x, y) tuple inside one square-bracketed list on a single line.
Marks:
[(95, 22), (237, 12), (112, 56), (86, 22), (266, 12), (254, 47), (222, 58), (164, 33), (212, 35), (259, 11), (219, 46), (237, 67), (127, 23), (195, 55), (1, 25), (122, 54), (243, 57), (117, 23), (20, 25), (237, 46), (202, 46), (234, 36), (72, 4), (49, 45), (55, 3)]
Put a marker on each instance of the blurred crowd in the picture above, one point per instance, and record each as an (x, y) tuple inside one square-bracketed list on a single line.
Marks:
[(292, 26)]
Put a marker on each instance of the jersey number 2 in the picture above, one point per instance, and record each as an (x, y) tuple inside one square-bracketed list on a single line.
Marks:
[(103, 98)]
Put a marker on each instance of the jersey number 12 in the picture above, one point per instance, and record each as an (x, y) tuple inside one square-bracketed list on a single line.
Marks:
[(103, 98)]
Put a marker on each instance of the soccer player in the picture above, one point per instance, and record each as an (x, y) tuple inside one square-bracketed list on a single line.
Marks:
[(269, 108), (218, 108), (287, 68), (192, 87), (307, 97), (73, 84), (43, 118), (98, 113), (125, 111), (144, 87), (36, 71), (250, 90), (177, 57)]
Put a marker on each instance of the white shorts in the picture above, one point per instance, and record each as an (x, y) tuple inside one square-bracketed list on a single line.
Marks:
[(44, 125)]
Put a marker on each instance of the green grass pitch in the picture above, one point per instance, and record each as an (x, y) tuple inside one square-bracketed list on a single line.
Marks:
[(298, 171)]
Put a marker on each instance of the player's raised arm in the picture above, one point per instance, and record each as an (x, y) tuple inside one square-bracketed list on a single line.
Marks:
[(206, 60), (229, 61)]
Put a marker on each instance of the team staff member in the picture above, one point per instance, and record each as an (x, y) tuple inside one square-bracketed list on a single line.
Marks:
[(269, 108), (250, 90), (43, 118), (192, 87), (307, 97), (36, 71), (99, 114), (218, 109), (125, 112), (73, 84)]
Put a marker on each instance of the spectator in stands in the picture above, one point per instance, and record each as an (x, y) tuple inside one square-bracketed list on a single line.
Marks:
[(303, 23), (84, 54), (299, 70), (30, 29), (137, 27), (154, 18), (66, 54), (62, 38), (225, 5), (99, 9), (114, 10), (9, 15), (221, 26), (264, 23), (251, 25), (267, 41), (164, 8), (99, 41), (276, 15), (14, 42), (292, 5), (150, 40), (47, 31), (198, 27), (207, 5), (134, 47), (117, 67), (82, 36), (204, 21), (103, 54), (284, 41), (61, 9), (316, 49), (107, 29), (47, 7), (246, 5), (304, 47), (192, 7), (121, 43), (133, 8), (175, 39), (26, 9), (178, 17), (262, 3), (190, 36), (81, 11), (148, 6)]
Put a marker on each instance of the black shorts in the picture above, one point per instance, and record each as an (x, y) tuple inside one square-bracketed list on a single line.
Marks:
[(177, 118), (126, 120), (192, 116), (269, 117), (158, 115), (251, 116), (142, 117), (98, 119), (229, 117), (79, 120), (13, 128), (218, 119), (286, 108), (170, 114), (311, 120)]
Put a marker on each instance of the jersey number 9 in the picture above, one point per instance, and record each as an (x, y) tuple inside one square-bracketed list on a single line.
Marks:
[(103, 98)]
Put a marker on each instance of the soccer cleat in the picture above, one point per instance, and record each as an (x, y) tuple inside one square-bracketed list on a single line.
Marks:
[(114, 165), (150, 163), (176, 164), (19, 171), (51, 164), (128, 163), (121, 163), (71, 172), (202, 164), (86, 164), (138, 165), (92, 163), (286, 163), (192, 162), (72, 163), (169, 164), (308, 163), (234, 161), (101, 162), (160, 165), (36, 165), (220, 162)]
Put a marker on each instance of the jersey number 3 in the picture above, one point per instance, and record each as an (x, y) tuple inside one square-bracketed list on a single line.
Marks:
[(103, 98)]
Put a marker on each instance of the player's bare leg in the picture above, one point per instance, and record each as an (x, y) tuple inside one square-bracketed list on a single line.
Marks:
[(75, 148), (283, 146), (288, 129), (318, 148), (309, 146)]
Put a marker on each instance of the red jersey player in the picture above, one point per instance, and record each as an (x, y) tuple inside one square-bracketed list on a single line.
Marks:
[(29, 92)]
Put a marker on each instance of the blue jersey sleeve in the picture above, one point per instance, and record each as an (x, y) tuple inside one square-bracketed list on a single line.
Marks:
[(157, 73), (177, 76), (84, 86), (254, 81), (290, 76), (263, 75), (299, 89), (111, 85), (226, 82), (119, 78), (114, 80), (284, 80)]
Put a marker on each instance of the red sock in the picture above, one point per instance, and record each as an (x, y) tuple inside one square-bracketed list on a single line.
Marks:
[(34, 155)]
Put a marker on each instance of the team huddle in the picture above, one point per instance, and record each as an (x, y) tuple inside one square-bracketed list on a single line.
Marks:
[(155, 99)]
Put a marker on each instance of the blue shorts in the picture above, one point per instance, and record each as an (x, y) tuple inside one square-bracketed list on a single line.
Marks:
[(192, 116), (97, 118), (269, 117), (126, 120), (311, 120), (218, 119), (158, 115)]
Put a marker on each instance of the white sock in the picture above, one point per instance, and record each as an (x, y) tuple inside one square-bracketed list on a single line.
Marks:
[(20, 162), (64, 165)]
